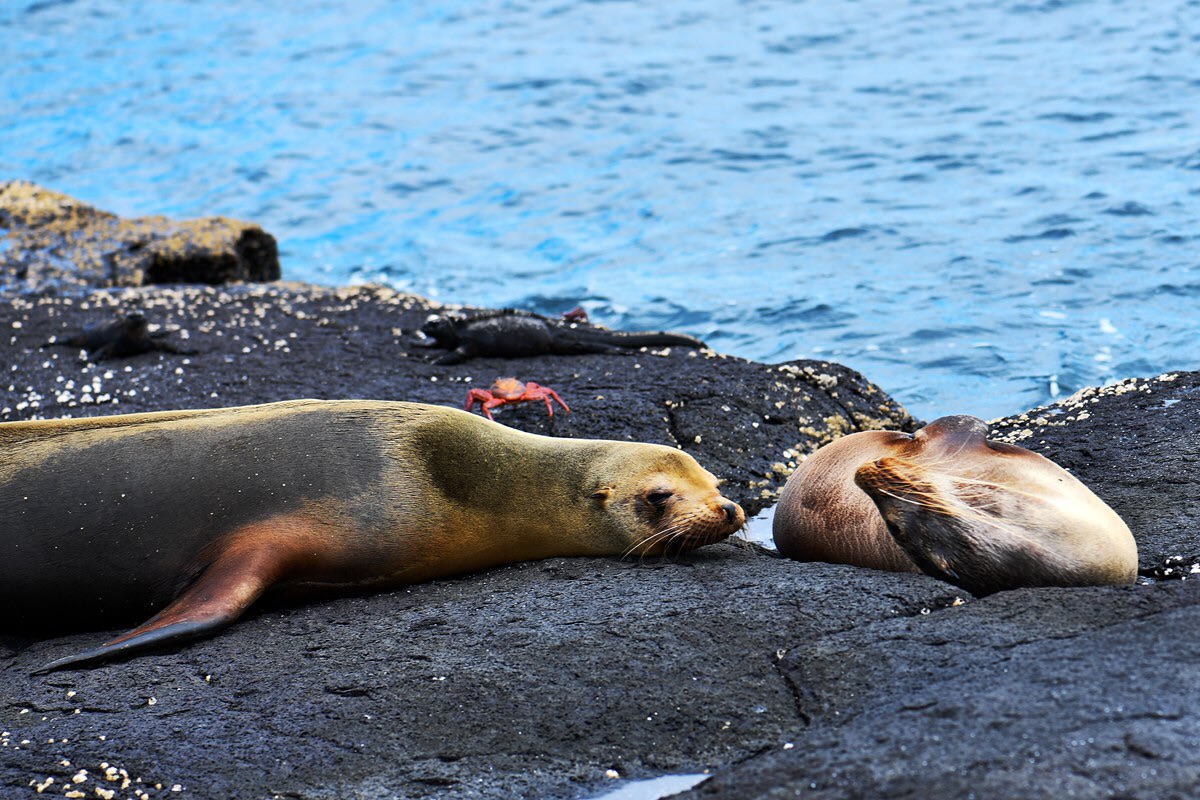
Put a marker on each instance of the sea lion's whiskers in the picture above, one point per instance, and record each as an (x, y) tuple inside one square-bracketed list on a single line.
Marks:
[(649, 541), (678, 527)]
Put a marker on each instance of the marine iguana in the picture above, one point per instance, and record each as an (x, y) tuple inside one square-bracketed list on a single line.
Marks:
[(513, 333), (129, 336)]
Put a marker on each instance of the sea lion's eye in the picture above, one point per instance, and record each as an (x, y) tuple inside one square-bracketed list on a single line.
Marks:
[(658, 499)]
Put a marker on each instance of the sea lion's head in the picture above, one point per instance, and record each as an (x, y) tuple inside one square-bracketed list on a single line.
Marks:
[(655, 500), (989, 516)]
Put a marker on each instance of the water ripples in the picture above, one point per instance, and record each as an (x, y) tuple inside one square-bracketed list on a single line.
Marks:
[(980, 205)]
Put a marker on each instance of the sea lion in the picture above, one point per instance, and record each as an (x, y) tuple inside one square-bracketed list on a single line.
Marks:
[(980, 514), (195, 514)]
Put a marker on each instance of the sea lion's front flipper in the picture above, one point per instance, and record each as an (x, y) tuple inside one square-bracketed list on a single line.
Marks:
[(950, 526), (250, 562)]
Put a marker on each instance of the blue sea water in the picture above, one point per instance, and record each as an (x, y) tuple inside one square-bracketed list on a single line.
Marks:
[(980, 204)]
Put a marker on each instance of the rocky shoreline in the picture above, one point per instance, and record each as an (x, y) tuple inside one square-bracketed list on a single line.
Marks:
[(545, 679), (50, 241)]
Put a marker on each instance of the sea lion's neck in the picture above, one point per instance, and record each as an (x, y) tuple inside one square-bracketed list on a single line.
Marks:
[(513, 496)]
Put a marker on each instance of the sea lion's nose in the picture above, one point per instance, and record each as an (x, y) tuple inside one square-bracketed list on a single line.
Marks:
[(732, 512)]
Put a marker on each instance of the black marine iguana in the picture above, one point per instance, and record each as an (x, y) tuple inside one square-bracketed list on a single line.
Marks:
[(129, 336), (513, 333)]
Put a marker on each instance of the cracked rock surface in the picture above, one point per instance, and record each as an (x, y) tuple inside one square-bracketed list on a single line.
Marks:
[(527, 681), (532, 680)]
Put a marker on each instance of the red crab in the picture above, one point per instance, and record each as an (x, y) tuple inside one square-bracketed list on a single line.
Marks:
[(511, 390), (576, 314)]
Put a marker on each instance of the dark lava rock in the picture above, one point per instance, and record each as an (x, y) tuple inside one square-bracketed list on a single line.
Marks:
[(526, 681), (1036, 693), (50, 240)]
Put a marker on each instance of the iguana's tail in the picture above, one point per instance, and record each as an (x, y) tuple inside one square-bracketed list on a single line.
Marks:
[(635, 338)]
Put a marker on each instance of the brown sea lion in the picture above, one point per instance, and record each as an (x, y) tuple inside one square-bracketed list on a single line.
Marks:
[(195, 514), (948, 501)]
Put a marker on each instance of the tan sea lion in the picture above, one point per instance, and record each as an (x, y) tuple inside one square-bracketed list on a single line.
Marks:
[(948, 501), (195, 514)]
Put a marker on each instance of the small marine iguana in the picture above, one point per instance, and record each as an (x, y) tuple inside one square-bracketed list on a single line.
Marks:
[(513, 333), (129, 336)]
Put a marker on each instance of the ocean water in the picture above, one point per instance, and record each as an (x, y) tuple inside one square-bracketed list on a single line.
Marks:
[(981, 205)]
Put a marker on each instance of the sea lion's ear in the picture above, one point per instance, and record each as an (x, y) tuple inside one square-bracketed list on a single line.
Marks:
[(603, 494)]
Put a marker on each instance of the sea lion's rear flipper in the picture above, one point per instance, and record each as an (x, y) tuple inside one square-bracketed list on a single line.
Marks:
[(250, 563)]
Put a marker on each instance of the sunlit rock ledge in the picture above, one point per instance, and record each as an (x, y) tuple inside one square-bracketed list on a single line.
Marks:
[(51, 241)]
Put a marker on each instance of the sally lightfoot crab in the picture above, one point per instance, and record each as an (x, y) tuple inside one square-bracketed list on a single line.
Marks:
[(510, 390)]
